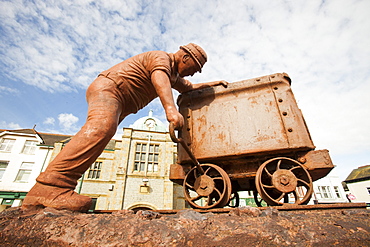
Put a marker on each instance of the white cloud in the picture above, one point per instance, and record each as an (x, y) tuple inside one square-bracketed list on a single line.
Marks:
[(8, 90), (338, 119), (49, 121), (67, 122), (70, 40), (10, 126), (244, 39)]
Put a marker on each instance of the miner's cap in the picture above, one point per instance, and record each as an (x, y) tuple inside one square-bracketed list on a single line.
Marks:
[(197, 53)]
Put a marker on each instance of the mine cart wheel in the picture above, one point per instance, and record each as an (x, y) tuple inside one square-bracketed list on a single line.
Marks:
[(259, 201), (209, 190), (234, 196), (279, 178)]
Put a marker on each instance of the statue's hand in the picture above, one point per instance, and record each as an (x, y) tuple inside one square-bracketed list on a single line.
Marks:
[(223, 83), (216, 83), (208, 84), (174, 117)]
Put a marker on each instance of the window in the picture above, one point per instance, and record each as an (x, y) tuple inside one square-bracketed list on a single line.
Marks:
[(7, 202), (29, 147), (3, 166), (140, 157), (6, 144), (24, 172), (153, 158), (336, 190), (94, 171), (93, 204), (146, 159), (324, 192)]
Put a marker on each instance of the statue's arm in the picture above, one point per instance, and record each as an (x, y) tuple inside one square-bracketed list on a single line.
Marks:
[(184, 86), (162, 86)]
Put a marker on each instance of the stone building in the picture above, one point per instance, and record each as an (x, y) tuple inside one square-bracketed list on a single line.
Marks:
[(133, 172)]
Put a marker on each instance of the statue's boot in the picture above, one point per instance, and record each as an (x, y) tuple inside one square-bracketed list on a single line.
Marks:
[(54, 187), (51, 190)]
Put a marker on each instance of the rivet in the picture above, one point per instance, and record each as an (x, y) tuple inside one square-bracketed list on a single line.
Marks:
[(302, 160), (285, 113), (290, 130), (275, 88), (188, 129), (280, 100)]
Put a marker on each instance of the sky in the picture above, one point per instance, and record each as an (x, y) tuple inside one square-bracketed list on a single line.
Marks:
[(50, 51)]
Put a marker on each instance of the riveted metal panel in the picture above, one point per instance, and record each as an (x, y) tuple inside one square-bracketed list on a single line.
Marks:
[(250, 117)]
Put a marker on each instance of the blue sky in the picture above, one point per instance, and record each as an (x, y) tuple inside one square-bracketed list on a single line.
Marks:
[(52, 50)]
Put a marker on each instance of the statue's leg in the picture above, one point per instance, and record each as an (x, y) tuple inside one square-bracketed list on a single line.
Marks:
[(54, 187)]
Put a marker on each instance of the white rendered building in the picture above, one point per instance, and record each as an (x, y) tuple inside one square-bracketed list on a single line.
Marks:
[(24, 153)]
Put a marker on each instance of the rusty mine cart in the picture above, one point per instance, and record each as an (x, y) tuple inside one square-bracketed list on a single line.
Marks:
[(250, 136)]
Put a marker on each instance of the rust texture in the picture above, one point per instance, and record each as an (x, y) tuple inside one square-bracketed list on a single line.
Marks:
[(250, 117), (244, 226), (117, 92), (255, 132)]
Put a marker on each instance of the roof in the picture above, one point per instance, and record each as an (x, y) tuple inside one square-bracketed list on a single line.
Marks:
[(360, 174), (23, 131), (149, 123), (48, 138)]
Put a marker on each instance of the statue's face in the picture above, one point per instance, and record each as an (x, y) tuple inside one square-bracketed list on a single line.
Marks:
[(187, 66)]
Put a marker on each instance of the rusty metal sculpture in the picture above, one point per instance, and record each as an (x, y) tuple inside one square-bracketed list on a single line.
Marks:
[(117, 92), (250, 136)]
